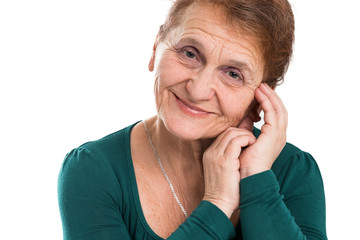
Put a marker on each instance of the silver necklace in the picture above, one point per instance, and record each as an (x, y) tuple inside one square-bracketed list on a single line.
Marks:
[(163, 170)]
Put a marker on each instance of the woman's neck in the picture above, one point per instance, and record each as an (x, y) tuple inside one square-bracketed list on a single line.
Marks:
[(182, 156)]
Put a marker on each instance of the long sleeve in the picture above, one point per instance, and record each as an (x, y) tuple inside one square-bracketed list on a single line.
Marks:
[(207, 222), (291, 207)]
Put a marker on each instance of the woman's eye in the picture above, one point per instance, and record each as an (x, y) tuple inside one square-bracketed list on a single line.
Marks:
[(233, 74), (189, 54)]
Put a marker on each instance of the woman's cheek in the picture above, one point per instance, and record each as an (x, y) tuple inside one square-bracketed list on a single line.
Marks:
[(172, 71), (157, 93), (236, 104)]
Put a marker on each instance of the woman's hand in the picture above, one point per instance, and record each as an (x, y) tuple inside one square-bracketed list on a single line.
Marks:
[(261, 155), (221, 168), (227, 160)]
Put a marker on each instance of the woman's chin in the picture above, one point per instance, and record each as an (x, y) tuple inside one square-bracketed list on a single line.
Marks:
[(189, 130)]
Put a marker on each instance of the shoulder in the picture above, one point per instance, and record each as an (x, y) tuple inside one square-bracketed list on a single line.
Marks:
[(111, 144), (99, 161), (290, 155), (104, 149)]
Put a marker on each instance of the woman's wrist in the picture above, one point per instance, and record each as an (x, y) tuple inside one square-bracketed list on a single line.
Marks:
[(247, 172), (227, 210)]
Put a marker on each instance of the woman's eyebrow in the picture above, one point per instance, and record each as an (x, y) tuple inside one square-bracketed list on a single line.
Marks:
[(191, 41), (241, 65)]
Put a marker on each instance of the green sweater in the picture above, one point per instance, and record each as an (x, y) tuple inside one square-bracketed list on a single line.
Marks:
[(99, 199)]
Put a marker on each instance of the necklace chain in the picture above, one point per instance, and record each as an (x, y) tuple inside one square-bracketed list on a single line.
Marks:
[(163, 170)]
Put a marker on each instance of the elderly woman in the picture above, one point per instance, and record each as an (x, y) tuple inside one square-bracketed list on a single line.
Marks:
[(199, 169)]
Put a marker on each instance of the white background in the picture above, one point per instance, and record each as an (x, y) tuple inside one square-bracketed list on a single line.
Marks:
[(74, 71)]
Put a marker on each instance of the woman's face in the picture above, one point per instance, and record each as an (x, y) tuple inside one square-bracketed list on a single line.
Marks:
[(206, 75)]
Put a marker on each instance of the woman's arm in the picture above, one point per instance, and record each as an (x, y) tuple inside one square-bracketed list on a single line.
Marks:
[(87, 202), (293, 209), (294, 212), (207, 222)]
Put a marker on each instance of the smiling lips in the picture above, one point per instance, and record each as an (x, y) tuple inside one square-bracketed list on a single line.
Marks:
[(189, 109)]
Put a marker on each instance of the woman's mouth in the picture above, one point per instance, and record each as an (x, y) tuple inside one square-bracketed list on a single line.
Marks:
[(190, 109)]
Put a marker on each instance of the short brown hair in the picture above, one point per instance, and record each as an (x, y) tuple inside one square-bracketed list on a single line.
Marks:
[(270, 22)]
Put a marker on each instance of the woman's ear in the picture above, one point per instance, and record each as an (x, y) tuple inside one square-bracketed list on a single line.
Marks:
[(252, 116), (152, 59), (254, 113)]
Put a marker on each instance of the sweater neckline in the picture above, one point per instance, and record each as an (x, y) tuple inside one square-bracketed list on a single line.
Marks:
[(134, 188)]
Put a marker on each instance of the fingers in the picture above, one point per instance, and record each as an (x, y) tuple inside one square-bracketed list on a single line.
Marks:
[(262, 96), (274, 110), (233, 149), (224, 139)]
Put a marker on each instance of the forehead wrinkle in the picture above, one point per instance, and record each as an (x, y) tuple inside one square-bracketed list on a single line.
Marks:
[(194, 32), (248, 53), (213, 47), (221, 52), (223, 28), (226, 53)]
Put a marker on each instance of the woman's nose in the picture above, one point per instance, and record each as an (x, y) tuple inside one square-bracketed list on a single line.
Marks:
[(201, 86)]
